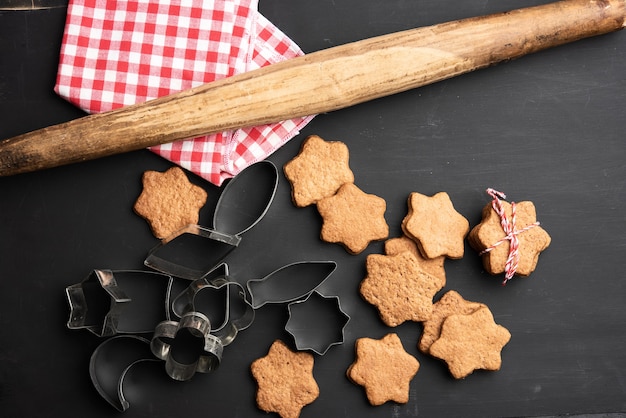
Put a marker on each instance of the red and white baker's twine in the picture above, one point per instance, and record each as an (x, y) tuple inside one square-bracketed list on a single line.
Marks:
[(511, 233)]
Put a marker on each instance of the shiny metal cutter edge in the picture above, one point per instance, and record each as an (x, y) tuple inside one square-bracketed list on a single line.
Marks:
[(228, 330), (199, 326), (295, 327)]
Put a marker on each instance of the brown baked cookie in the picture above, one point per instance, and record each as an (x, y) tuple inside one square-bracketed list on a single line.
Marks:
[(451, 303), (285, 380), (434, 224), (353, 218), (318, 170), (398, 288), (432, 266), (494, 245), (169, 201), (471, 342), (384, 369)]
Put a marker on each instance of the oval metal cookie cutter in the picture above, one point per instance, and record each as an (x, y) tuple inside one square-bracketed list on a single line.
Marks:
[(195, 250)]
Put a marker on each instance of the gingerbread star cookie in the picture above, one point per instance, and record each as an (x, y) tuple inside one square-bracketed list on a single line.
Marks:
[(432, 266), (169, 201), (398, 288), (285, 380), (353, 218), (471, 342), (318, 170), (434, 224), (450, 303), (515, 251), (384, 369)]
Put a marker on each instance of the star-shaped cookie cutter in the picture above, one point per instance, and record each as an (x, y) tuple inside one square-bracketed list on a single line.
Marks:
[(109, 302), (187, 346), (317, 323)]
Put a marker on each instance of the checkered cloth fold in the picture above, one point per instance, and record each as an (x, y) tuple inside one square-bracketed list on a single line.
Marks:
[(121, 52)]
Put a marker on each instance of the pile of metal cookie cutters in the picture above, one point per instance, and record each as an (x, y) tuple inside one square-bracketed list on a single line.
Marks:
[(145, 317)]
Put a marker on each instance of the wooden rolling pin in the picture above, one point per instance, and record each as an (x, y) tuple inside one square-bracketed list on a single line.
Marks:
[(319, 82)]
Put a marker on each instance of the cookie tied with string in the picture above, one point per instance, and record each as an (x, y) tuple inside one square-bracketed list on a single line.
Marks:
[(509, 238)]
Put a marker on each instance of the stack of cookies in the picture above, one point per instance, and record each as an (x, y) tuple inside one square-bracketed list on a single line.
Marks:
[(403, 283)]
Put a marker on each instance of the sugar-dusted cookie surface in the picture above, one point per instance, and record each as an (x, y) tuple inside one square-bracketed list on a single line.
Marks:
[(489, 238), (471, 342), (353, 218), (450, 303), (285, 380), (384, 369), (318, 170), (432, 266), (434, 224), (398, 288), (169, 201)]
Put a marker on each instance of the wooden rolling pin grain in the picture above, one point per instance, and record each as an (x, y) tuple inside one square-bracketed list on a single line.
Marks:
[(319, 82)]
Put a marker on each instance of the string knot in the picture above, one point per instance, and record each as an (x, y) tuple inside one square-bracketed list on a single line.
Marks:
[(510, 231)]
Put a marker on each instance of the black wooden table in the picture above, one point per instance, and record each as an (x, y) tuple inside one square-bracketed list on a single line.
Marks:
[(547, 128)]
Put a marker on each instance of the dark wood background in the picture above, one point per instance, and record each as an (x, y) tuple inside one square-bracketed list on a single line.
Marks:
[(547, 128)]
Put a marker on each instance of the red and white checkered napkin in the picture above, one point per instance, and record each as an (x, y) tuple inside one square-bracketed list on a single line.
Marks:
[(120, 52)]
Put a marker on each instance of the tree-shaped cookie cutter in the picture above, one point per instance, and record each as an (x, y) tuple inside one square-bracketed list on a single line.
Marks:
[(245, 200)]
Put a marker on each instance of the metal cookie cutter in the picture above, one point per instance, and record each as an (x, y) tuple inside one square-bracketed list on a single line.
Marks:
[(317, 323), (109, 302), (291, 282), (193, 251), (183, 302), (221, 300), (187, 346), (110, 363)]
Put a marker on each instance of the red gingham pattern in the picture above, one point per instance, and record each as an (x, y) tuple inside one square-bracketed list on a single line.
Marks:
[(120, 52)]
